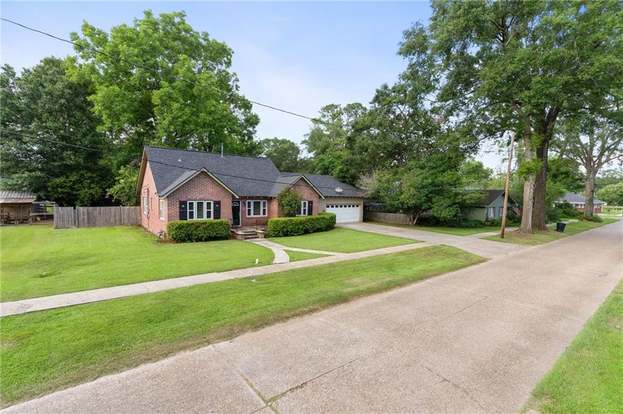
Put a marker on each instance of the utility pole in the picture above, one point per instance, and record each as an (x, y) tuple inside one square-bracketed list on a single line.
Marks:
[(507, 184)]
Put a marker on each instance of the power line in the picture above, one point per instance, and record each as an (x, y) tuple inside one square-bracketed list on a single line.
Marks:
[(152, 70), (21, 134)]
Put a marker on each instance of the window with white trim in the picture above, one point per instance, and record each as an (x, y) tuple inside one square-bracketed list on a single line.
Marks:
[(200, 210), (303, 208), (257, 208), (162, 208), (146, 204)]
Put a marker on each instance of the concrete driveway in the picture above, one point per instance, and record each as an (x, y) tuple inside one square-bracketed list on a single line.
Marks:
[(476, 340), (481, 247)]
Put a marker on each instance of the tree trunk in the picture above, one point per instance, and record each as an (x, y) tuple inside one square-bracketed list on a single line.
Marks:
[(589, 194), (528, 188), (539, 216)]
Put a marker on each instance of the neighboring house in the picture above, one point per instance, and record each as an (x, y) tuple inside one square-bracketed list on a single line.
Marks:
[(193, 185), (490, 206), (15, 206), (579, 202)]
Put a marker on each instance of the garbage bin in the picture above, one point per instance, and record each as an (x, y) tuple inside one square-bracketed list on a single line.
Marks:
[(561, 227)]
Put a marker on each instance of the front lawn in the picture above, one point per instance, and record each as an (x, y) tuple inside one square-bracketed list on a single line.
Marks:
[(455, 231), (342, 240), (550, 235), (588, 377), (295, 256), (44, 351), (40, 261)]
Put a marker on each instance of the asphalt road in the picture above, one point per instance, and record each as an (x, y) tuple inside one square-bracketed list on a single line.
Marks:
[(475, 340)]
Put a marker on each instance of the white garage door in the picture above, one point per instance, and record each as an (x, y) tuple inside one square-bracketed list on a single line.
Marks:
[(345, 213)]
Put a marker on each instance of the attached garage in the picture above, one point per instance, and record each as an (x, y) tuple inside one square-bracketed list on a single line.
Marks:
[(346, 213)]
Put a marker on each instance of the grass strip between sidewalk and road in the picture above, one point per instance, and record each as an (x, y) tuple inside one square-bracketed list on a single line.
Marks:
[(45, 351), (455, 231), (542, 237), (588, 377), (342, 240)]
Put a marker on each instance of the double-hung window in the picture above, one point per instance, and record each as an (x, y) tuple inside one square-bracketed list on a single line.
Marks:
[(162, 208), (146, 204), (303, 210), (257, 208), (200, 210)]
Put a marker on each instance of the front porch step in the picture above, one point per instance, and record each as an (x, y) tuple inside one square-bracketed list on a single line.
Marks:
[(247, 233)]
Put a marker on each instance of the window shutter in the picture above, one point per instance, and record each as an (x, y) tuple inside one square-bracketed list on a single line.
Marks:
[(217, 209), (310, 208), (183, 212)]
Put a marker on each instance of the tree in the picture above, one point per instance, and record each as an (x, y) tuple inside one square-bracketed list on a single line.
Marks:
[(289, 202), (282, 152), (612, 194), (50, 144), (475, 175), (593, 143), (160, 82), (520, 65), (124, 189)]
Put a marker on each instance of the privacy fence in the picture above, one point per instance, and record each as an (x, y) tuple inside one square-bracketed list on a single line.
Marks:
[(392, 218), (66, 217)]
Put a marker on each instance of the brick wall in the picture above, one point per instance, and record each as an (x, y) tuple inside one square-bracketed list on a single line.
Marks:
[(200, 187)]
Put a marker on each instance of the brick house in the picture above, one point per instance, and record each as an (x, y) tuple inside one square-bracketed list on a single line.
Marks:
[(578, 201), (193, 185)]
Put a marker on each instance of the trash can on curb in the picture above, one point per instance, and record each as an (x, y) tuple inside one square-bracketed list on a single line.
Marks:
[(561, 227)]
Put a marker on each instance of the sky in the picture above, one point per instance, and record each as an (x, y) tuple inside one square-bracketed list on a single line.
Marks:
[(293, 55)]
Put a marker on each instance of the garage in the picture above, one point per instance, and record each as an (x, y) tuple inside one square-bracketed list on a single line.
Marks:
[(346, 212)]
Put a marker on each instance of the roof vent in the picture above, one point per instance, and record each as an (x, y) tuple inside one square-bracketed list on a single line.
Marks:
[(179, 160), (339, 189)]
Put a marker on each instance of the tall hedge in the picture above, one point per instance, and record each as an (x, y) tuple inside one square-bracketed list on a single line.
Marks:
[(294, 226), (183, 231)]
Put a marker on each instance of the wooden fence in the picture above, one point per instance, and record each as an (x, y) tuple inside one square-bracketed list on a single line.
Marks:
[(392, 218), (66, 217)]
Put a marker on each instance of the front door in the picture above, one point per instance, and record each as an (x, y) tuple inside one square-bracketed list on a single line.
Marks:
[(235, 213)]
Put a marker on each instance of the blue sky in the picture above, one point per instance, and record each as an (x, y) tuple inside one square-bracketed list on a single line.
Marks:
[(298, 56)]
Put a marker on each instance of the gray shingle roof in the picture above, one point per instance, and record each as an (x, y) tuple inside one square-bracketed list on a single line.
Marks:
[(489, 196), (16, 197), (245, 176), (576, 198)]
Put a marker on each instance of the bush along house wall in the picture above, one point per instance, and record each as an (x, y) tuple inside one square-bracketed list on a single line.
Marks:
[(183, 231), (294, 226)]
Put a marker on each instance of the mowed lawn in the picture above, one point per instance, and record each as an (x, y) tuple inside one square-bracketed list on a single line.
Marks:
[(296, 256), (588, 377), (342, 240), (40, 261), (48, 350), (550, 235)]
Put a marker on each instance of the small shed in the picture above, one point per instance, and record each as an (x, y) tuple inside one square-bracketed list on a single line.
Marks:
[(15, 206), (489, 206)]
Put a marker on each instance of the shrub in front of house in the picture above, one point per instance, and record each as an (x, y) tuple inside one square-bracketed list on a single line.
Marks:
[(184, 231), (295, 226)]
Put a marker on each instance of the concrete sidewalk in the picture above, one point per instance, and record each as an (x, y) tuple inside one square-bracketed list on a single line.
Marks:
[(115, 292), (473, 341)]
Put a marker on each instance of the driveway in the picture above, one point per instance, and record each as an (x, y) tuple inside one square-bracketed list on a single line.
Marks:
[(475, 340), (481, 247)]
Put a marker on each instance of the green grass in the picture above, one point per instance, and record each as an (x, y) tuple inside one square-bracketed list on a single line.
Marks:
[(39, 261), (550, 235), (455, 231), (296, 256), (342, 240), (44, 351), (588, 377)]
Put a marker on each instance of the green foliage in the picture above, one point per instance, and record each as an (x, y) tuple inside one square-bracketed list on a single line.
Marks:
[(46, 120), (612, 194), (289, 202), (124, 190), (284, 153), (566, 173), (294, 226), (529, 167), (159, 81), (594, 218), (184, 231), (475, 175), (568, 211)]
